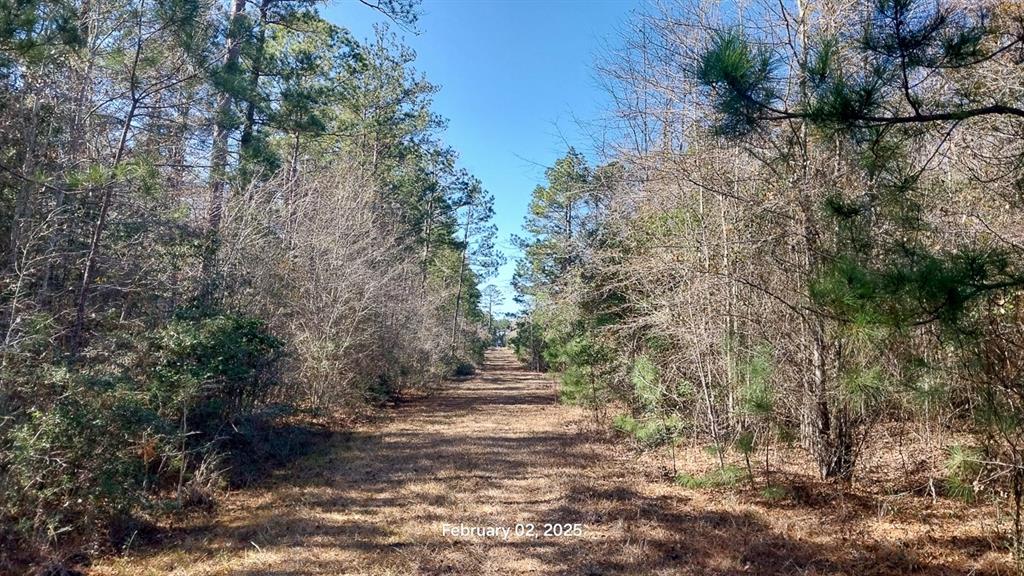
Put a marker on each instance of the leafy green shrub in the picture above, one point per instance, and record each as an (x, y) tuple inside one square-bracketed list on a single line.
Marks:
[(757, 397), (77, 463), (963, 467), (625, 424), (649, 432), (646, 385), (82, 446), (582, 382), (656, 424), (580, 387), (463, 368), (659, 432), (223, 364)]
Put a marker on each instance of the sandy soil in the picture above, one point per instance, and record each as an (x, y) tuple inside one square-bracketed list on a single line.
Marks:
[(497, 451)]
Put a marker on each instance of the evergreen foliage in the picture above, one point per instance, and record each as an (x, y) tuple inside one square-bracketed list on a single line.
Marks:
[(213, 216), (807, 230)]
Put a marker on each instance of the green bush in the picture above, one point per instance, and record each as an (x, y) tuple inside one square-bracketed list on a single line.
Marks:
[(582, 382), (463, 368), (647, 390), (625, 424), (659, 432), (649, 432), (84, 444), (222, 364), (74, 465), (964, 465), (579, 387)]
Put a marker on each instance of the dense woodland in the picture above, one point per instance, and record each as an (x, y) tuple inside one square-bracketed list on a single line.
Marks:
[(213, 215), (801, 232), (808, 234)]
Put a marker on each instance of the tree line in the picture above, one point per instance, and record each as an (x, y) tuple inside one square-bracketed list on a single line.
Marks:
[(807, 231), (214, 214)]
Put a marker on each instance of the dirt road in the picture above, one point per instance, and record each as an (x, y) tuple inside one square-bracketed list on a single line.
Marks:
[(486, 455)]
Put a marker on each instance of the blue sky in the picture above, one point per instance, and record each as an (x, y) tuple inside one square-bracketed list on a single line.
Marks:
[(517, 80)]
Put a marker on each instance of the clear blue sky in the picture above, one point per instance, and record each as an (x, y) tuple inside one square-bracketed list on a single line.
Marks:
[(517, 79)]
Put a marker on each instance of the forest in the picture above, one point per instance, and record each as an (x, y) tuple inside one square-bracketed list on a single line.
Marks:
[(240, 262), (212, 215), (809, 235)]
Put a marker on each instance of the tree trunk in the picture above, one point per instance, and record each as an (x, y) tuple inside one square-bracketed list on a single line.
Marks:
[(462, 273), (221, 127), (426, 239), (22, 200), (248, 127), (490, 321), (108, 194)]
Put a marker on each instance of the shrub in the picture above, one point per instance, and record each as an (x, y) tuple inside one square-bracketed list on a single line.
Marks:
[(222, 364), (581, 360), (648, 432), (963, 469), (66, 469), (83, 447), (463, 368), (625, 424)]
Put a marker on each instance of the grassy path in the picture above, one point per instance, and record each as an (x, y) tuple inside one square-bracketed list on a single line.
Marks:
[(495, 451)]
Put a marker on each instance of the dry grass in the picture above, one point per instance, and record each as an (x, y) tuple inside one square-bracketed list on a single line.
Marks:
[(497, 450)]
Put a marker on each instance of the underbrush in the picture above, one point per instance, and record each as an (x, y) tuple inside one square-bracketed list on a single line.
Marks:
[(728, 475), (136, 427), (464, 363), (96, 450), (908, 481), (462, 369), (648, 432)]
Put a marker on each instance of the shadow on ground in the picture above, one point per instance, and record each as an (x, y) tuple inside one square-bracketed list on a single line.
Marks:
[(497, 450)]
